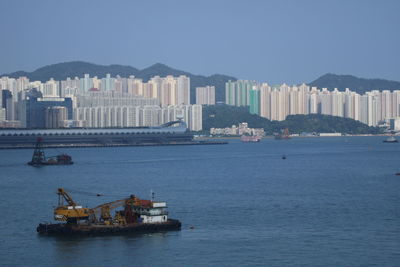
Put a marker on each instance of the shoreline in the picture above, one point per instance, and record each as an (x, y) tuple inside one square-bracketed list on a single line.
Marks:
[(198, 142), (294, 136)]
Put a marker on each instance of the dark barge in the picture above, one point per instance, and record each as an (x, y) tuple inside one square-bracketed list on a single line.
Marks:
[(39, 158), (71, 229)]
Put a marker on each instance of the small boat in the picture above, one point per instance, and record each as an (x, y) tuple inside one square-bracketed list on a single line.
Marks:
[(250, 138), (39, 158), (283, 134), (390, 139)]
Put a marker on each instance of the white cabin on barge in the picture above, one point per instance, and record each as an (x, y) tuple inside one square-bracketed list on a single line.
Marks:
[(156, 213)]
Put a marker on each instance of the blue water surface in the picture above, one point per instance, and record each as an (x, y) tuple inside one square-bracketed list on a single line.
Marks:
[(332, 202)]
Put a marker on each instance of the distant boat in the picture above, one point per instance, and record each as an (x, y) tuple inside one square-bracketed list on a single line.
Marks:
[(250, 138), (390, 139), (39, 159), (283, 134)]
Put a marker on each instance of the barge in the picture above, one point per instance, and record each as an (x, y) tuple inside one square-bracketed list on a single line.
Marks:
[(96, 229), (137, 216), (39, 158)]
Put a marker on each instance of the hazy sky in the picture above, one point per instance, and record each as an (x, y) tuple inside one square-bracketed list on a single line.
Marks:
[(274, 41)]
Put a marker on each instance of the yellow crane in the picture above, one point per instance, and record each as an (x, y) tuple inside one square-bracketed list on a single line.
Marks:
[(72, 213)]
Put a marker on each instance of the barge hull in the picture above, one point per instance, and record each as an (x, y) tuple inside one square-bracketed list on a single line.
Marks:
[(70, 229)]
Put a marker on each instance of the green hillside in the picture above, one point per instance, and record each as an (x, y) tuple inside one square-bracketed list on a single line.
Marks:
[(222, 116)]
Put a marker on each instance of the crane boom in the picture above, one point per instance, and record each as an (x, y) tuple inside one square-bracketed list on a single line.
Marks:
[(105, 209), (62, 193), (111, 205)]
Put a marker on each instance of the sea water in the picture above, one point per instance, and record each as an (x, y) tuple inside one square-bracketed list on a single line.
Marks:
[(333, 201)]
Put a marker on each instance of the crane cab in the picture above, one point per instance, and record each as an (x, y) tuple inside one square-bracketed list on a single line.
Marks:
[(72, 212)]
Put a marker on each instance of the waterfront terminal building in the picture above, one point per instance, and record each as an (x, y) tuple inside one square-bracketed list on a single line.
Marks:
[(174, 132)]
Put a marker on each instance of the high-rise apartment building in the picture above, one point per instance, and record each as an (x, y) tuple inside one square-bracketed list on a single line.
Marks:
[(136, 116), (205, 95), (55, 117), (50, 88), (195, 118), (183, 90), (254, 100), (2, 114)]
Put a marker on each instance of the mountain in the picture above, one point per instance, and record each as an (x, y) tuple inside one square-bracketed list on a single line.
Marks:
[(74, 69), (221, 116), (359, 85)]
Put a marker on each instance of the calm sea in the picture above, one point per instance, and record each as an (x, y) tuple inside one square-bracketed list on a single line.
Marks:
[(332, 202)]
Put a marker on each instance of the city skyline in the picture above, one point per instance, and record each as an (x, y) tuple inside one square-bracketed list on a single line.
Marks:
[(279, 41), (93, 102), (129, 102)]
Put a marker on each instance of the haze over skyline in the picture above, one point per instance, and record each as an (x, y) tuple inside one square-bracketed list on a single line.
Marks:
[(273, 41)]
